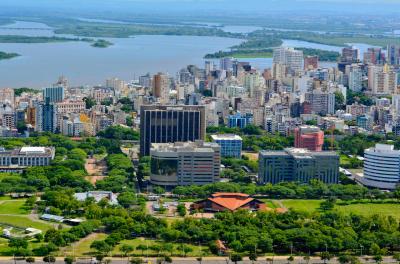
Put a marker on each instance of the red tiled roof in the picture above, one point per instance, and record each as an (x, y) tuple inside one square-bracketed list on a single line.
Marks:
[(219, 194), (232, 203)]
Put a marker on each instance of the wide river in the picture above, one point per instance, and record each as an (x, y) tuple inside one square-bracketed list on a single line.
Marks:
[(40, 64)]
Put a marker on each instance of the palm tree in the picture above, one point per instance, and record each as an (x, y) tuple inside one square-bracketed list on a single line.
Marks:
[(307, 259), (290, 259)]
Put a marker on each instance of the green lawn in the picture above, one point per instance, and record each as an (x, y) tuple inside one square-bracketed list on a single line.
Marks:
[(82, 248), (13, 207), (371, 209), (196, 250), (25, 222), (365, 209), (302, 205)]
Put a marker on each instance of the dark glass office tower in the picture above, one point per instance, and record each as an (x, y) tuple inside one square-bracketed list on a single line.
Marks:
[(169, 124)]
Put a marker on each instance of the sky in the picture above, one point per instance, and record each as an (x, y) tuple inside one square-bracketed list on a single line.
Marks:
[(239, 6)]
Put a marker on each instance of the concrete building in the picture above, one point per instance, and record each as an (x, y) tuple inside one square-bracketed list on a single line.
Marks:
[(299, 165), (168, 124), (290, 57), (311, 62), (355, 78), (321, 102), (381, 167), (184, 163), (27, 157), (7, 96), (231, 145), (393, 57), (161, 87), (309, 137)]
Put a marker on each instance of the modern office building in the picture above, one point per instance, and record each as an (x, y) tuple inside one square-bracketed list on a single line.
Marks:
[(309, 137), (169, 124), (298, 165), (55, 94), (46, 117), (231, 145), (393, 57), (185, 163), (381, 167), (26, 157), (240, 120)]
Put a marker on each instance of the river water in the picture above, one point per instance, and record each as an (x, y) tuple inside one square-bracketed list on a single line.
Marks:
[(40, 64)]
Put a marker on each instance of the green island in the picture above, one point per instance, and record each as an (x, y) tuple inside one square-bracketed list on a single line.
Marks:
[(101, 43), (29, 39), (323, 55), (6, 55)]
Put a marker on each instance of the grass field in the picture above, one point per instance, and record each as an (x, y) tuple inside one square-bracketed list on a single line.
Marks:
[(13, 207), (82, 248), (371, 209), (25, 222), (302, 205), (365, 209)]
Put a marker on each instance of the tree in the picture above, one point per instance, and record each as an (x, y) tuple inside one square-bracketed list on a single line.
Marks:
[(49, 259), (378, 259), (325, 256), (30, 259), (39, 237), (126, 249), (18, 243), (290, 259), (307, 259), (126, 199), (236, 258), (397, 257), (181, 209), (69, 260), (253, 257), (199, 259), (101, 246), (136, 261), (141, 247), (328, 204)]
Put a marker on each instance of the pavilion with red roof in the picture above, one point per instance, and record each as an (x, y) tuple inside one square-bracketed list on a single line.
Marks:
[(219, 202)]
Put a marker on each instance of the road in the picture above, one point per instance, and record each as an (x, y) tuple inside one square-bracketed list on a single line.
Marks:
[(208, 260)]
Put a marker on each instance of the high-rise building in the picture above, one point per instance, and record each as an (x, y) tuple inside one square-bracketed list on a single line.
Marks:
[(161, 87), (382, 80), (374, 56), (55, 94), (231, 145), (7, 96), (145, 80), (185, 163), (393, 52), (290, 57), (311, 62), (381, 167), (349, 55), (169, 124), (226, 64), (321, 102), (298, 165), (355, 74), (46, 117), (309, 137)]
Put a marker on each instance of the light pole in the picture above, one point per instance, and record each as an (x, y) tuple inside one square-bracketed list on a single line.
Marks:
[(361, 249)]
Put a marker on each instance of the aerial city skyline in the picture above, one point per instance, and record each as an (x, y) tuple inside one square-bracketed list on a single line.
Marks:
[(171, 131)]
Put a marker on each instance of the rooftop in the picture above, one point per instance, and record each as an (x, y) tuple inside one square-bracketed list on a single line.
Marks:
[(226, 137)]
